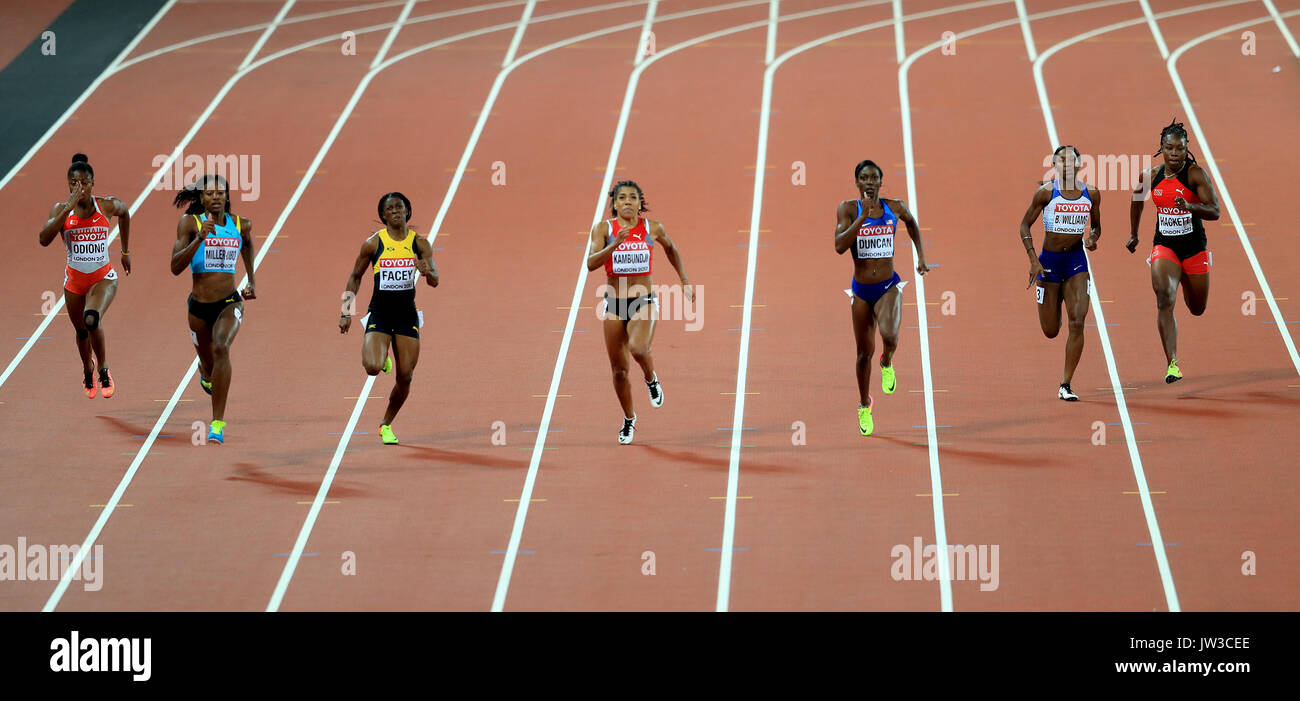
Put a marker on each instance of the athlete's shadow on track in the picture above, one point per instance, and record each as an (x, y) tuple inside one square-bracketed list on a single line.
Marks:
[(721, 463), (460, 457), (247, 472), (983, 456)]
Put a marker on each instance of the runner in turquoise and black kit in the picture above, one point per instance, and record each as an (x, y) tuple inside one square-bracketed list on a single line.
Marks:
[(209, 240)]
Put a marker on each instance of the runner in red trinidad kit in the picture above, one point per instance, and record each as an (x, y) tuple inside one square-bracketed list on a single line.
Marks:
[(89, 281), (1183, 197)]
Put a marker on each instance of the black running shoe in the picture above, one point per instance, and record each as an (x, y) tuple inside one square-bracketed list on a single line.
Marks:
[(628, 430), (656, 392), (1066, 393)]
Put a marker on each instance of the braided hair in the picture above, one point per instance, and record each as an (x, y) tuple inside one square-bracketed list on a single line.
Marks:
[(191, 196), (613, 192), (1175, 129)]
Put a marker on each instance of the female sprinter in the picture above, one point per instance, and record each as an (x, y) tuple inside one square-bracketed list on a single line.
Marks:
[(209, 239), (396, 255), (89, 281), (1069, 208), (867, 225), (1183, 196), (625, 246)]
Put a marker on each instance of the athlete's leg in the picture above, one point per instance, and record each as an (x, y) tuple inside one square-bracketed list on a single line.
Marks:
[(1165, 275), (407, 350), (1196, 292), (1049, 307), (97, 302), (864, 331), (616, 346), (1075, 295), (223, 334), (889, 315), (374, 351), (202, 337), (76, 306), (640, 333)]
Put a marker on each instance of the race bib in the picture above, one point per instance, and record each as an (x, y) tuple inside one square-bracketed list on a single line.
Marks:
[(632, 258), (1173, 221), (876, 241), (219, 254), (397, 274)]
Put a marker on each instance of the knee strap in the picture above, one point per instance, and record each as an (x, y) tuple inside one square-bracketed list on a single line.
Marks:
[(92, 319), (82, 334)]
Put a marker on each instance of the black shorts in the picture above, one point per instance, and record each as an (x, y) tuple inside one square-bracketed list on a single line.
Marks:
[(625, 309), (210, 311), (403, 322)]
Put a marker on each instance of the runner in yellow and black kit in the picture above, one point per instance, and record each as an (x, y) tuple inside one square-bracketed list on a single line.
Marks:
[(397, 257)]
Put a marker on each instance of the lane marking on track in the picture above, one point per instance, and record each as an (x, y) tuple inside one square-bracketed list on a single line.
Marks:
[(1286, 31), (1221, 186), (927, 494), (736, 497), (245, 68), (1153, 492), (1148, 508), (516, 500), (312, 502), (66, 579), (104, 506)]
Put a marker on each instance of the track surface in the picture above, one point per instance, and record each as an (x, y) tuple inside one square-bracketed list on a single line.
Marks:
[(428, 524)]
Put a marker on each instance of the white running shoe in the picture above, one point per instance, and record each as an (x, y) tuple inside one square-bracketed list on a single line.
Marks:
[(1066, 393), (628, 430), (656, 392)]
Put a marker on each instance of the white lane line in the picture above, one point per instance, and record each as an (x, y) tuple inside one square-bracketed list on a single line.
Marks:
[(773, 17), (519, 33), (642, 42), (1155, 30), (189, 136), (1112, 367), (900, 45), (144, 31), (1286, 31), (75, 566), (1025, 30), (1222, 185)]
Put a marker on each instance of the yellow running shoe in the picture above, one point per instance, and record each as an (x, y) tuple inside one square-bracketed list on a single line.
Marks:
[(386, 432), (888, 381), (865, 424), (217, 432), (388, 365), (1173, 374)]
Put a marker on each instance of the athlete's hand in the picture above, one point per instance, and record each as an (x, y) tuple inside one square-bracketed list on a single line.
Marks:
[(1090, 243), (688, 291), (1035, 269), (249, 292), (345, 322), (126, 262), (922, 268), (74, 196), (1131, 244), (621, 236), (1180, 203), (208, 227)]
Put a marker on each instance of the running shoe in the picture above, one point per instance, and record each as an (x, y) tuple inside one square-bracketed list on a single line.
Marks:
[(629, 429), (1066, 393), (865, 423), (1173, 374), (89, 381), (106, 383), (386, 433), (205, 384), (217, 432), (388, 364), (888, 382), (656, 392)]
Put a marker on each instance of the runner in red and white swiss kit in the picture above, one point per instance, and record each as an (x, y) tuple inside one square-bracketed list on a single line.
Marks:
[(89, 280), (1184, 196)]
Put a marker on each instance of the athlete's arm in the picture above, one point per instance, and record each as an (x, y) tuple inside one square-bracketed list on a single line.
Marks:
[(246, 252), (425, 265), (913, 232), (599, 252), (368, 250), (113, 207), (1091, 240), (1041, 197), (188, 239), (659, 235), (1208, 210), (846, 227), (59, 214), (1135, 209)]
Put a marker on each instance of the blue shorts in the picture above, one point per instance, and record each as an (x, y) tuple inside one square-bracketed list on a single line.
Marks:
[(1059, 267), (872, 293)]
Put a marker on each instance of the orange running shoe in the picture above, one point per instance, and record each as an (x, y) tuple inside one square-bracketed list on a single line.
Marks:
[(107, 388), (90, 381)]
